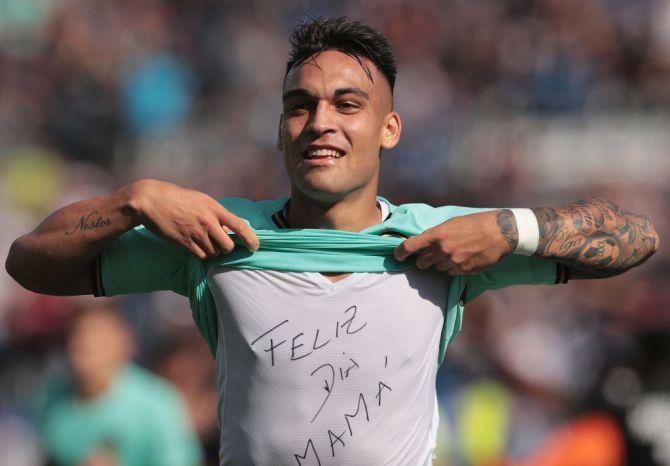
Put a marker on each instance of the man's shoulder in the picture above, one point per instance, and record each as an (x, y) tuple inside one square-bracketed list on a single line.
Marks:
[(417, 208), (257, 213), (421, 216)]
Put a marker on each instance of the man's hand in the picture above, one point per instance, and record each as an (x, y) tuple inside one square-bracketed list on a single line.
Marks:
[(463, 245), (189, 218)]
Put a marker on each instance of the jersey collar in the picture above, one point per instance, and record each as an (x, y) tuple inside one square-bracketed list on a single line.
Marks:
[(280, 218)]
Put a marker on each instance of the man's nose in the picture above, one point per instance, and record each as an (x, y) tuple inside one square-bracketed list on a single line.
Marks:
[(321, 120)]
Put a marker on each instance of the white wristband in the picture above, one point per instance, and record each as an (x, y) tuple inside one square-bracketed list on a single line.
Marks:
[(529, 231)]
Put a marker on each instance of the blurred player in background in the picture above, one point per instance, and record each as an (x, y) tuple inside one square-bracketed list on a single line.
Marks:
[(113, 412), (316, 364)]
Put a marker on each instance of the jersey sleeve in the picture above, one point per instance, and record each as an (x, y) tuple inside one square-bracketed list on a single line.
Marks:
[(139, 262), (514, 270)]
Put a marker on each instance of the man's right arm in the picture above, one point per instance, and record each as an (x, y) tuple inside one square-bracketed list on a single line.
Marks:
[(55, 258)]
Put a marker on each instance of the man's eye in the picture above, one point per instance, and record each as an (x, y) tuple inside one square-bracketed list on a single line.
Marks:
[(297, 106), (348, 106)]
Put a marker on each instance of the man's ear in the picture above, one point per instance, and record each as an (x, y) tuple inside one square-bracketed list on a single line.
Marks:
[(280, 142), (391, 131)]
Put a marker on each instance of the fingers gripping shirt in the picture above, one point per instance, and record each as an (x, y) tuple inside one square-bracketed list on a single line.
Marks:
[(139, 261)]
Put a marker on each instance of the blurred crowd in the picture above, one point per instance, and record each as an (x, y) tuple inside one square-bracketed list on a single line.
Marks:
[(504, 103)]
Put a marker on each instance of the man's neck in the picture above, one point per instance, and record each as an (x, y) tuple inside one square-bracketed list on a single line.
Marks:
[(354, 213)]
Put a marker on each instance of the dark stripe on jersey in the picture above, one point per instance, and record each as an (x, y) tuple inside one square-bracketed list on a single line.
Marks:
[(96, 277), (279, 219), (562, 273)]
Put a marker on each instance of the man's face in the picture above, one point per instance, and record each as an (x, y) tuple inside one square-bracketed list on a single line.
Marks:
[(334, 122)]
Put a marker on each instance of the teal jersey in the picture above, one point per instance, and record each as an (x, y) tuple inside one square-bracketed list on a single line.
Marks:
[(139, 261), (140, 420)]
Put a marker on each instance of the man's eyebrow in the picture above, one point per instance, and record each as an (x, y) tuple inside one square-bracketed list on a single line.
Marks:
[(300, 92), (352, 90)]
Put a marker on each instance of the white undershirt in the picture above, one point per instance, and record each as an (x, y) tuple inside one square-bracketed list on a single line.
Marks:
[(316, 372)]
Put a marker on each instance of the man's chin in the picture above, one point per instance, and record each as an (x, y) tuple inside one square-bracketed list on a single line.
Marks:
[(325, 196), (322, 191)]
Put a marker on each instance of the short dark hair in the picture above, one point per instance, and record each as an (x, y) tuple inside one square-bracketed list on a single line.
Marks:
[(353, 38)]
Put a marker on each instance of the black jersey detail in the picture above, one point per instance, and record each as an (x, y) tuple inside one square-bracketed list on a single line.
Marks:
[(562, 273), (96, 277)]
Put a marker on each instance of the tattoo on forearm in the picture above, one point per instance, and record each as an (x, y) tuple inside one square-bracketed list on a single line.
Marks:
[(595, 237), (91, 221), (507, 225)]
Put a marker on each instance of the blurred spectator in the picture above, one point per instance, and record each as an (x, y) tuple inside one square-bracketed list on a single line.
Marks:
[(157, 95), (112, 412), (183, 361), (593, 440)]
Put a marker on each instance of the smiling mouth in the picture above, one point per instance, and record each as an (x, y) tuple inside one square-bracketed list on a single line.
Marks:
[(312, 154)]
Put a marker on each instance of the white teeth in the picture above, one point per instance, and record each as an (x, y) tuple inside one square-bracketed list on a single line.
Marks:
[(314, 153)]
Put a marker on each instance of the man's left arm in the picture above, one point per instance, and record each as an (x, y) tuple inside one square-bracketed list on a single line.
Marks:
[(593, 237)]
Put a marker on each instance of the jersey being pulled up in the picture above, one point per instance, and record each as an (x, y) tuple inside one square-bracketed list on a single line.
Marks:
[(309, 371)]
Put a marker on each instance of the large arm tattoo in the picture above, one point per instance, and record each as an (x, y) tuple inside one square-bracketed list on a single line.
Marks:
[(595, 238)]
